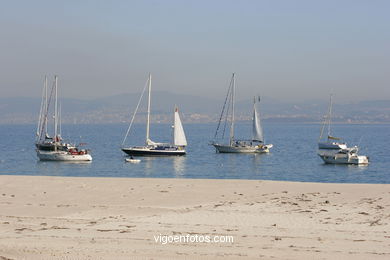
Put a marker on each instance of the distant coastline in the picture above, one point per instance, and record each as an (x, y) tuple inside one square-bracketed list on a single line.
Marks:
[(117, 109)]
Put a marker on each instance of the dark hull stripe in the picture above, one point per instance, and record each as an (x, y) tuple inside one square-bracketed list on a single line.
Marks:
[(153, 153)]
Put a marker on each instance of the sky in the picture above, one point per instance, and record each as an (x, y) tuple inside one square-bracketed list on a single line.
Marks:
[(287, 50)]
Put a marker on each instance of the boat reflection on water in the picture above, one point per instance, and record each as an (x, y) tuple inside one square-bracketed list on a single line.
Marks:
[(63, 168), (179, 165)]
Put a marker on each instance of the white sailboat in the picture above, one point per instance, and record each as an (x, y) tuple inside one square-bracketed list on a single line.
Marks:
[(332, 151), (254, 145), (330, 142), (52, 148), (151, 148)]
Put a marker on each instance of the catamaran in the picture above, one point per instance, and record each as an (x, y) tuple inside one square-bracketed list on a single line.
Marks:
[(53, 148), (331, 142), (254, 145), (151, 148)]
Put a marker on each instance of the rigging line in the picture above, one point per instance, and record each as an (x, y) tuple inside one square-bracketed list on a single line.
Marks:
[(330, 114), (227, 111), (135, 112), (40, 113), (360, 140), (322, 128), (326, 120), (223, 109), (47, 110)]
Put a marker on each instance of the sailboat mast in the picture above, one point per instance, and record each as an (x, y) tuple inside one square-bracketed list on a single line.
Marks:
[(59, 120), (174, 124), (232, 100), (148, 115), (46, 106), (55, 114), (41, 113), (330, 114), (254, 118)]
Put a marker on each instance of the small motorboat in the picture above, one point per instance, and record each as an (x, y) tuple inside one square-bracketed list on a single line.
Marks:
[(132, 160), (344, 156)]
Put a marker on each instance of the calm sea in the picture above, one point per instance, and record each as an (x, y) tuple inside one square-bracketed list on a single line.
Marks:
[(293, 157)]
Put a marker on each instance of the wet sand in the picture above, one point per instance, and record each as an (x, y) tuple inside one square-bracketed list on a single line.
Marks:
[(118, 218)]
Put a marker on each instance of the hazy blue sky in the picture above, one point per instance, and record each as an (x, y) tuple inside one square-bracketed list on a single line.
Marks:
[(282, 49)]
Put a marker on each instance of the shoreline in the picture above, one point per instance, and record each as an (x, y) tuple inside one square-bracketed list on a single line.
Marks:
[(53, 217), (195, 179)]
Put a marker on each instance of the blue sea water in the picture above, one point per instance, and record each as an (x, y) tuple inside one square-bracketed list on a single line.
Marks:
[(293, 157)]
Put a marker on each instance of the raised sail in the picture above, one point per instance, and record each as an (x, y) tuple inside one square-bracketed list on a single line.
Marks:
[(253, 145), (154, 148), (179, 137), (257, 131), (53, 148)]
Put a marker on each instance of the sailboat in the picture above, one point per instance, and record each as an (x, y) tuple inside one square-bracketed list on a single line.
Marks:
[(332, 151), (53, 148), (330, 142), (254, 145), (151, 148)]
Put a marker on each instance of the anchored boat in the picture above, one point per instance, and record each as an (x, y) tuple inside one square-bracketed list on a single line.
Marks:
[(344, 156), (254, 145), (151, 148), (332, 151), (330, 142), (53, 148)]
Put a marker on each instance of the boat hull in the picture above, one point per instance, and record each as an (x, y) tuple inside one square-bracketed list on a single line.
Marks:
[(344, 159), (152, 152), (62, 156), (133, 160), (333, 145), (242, 149)]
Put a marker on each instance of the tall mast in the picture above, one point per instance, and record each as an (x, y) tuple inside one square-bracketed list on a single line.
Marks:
[(41, 114), (46, 105), (55, 114), (59, 121), (174, 124), (232, 100), (330, 113), (148, 116)]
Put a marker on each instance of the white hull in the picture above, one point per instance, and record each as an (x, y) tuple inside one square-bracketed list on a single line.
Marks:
[(62, 156), (332, 145), (348, 156), (345, 159), (242, 149), (132, 160)]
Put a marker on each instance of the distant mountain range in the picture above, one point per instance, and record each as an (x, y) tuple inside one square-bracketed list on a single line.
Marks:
[(118, 108)]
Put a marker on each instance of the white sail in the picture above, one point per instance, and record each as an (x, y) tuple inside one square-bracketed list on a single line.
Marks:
[(179, 137), (257, 131)]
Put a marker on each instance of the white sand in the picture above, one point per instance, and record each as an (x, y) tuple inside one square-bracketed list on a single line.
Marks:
[(116, 218)]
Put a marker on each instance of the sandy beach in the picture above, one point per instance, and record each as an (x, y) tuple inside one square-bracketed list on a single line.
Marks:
[(120, 218)]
